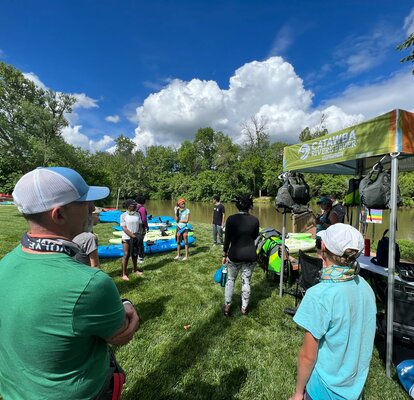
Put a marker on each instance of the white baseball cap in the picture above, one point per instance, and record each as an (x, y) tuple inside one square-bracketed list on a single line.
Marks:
[(339, 237), (46, 188)]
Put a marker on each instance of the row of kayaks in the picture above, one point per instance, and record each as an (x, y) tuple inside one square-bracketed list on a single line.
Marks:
[(154, 222), (160, 238), (158, 246)]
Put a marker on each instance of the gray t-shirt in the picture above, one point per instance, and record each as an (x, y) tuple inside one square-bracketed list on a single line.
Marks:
[(88, 242)]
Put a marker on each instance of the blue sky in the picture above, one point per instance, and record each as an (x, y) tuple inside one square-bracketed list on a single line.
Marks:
[(156, 71)]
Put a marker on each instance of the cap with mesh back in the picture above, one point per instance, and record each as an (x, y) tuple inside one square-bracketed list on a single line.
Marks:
[(340, 237), (46, 188)]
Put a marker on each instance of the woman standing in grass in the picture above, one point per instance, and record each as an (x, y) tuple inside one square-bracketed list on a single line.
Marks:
[(239, 251), (182, 216), (130, 223), (339, 316)]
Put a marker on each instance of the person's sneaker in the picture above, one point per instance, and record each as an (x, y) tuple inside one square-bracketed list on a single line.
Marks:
[(184, 258), (140, 261), (125, 278), (177, 257), (244, 310), (226, 309)]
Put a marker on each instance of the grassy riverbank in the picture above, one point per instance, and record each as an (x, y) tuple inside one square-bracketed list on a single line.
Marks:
[(185, 349)]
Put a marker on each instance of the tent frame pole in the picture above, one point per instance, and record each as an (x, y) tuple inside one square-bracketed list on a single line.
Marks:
[(282, 264), (391, 262)]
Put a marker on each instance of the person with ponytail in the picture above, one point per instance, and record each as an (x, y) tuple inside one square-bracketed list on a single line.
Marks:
[(339, 318)]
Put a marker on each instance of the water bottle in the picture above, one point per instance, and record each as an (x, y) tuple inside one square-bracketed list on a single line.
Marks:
[(224, 276)]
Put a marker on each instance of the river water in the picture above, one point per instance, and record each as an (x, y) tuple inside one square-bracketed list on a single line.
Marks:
[(269, 217)]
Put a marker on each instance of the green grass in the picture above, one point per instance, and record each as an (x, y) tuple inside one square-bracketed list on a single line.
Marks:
[(251, 357)]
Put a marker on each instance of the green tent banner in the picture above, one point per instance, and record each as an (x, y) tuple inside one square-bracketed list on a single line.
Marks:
[(388, 133)]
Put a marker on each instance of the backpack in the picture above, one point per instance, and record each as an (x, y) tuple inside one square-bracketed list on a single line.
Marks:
[(382, 252), (376, 192), (294, 194), (298, 189), (269, 254)]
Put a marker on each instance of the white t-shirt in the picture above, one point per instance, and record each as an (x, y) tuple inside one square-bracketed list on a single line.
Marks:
[(131, 222)]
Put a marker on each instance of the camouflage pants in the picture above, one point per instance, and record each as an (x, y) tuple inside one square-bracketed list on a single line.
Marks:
[(233, 269)]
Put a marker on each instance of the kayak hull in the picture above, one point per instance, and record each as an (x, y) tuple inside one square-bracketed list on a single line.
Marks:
[(159, 246)]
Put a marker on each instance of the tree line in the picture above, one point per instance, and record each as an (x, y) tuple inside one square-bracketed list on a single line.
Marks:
[(31, 123)]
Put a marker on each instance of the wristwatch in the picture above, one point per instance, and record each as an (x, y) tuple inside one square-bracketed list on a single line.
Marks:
[(127, 301)]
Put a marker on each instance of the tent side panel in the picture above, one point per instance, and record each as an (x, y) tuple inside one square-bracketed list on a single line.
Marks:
[(406, 124)]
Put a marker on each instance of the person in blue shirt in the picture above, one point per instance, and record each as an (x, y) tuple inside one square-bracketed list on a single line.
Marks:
[(338, 315)]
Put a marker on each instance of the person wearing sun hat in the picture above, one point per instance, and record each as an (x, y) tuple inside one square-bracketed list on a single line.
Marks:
[(182, 216), (57, 315), (339, 318)]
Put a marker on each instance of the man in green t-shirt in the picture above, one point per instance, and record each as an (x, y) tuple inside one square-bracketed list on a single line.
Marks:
[(57, 316)]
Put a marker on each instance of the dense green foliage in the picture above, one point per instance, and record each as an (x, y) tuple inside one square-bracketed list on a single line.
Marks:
[(31, 121), (242, 358), (407, 44)]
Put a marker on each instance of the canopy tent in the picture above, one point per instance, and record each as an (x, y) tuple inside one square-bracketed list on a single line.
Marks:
[(355, 151)]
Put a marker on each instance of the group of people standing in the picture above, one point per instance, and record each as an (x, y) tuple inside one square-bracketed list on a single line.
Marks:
[(73, 313), (338, 314)]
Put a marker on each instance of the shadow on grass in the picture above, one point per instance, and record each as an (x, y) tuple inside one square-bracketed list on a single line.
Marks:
[(158, 264), (161, 383), (151, 309), (230, 384), (260, 291)]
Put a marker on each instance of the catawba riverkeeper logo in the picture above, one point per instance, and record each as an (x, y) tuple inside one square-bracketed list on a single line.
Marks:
[(331, 147)]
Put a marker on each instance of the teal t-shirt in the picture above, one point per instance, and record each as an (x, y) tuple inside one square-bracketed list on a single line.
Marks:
[(342, 317), (55, 315), (183, 213)]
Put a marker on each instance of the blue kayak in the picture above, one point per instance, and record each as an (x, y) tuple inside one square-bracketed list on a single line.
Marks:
[(110, 216), (115, 215), (159, 246)]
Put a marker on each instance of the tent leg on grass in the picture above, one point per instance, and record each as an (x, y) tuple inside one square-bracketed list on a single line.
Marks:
[(282, 267), (391, 262)]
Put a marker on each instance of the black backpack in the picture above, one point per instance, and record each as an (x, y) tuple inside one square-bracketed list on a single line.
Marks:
[(294, 194), (298, 188), (375, 192), (382, 252)]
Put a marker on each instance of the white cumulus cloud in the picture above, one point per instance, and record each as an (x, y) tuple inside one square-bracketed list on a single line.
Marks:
[(270, 89), (31, 76), (112, 118), (84, 101), (74, 136)]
